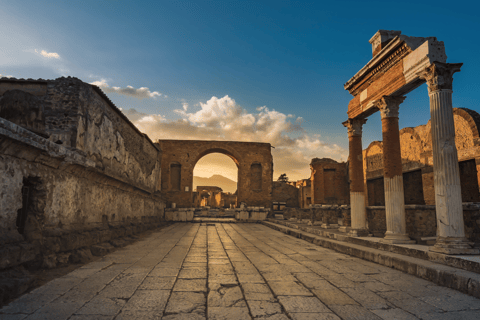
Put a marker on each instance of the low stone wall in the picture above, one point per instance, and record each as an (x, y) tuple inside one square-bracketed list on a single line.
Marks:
[(251, 214), (422, 221), (180, 214)]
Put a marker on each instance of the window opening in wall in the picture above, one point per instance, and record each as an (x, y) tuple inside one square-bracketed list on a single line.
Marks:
[(256, 176), (376, 192), (469, 181), (175, 176), (33, 202), (23, 211), (413, 187)]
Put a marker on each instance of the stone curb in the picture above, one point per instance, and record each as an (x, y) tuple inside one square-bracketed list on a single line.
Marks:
[(465, 281), (440, 258)]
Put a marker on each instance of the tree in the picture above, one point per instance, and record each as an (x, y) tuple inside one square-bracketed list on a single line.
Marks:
[(283, 178)]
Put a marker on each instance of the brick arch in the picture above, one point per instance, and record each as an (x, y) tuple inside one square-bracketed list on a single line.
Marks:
[(373, 162), (189, 152), (467, 123), (229, 152), (410, 145)]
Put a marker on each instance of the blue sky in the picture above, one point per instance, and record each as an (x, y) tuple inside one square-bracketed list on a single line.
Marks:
[(277, 68)]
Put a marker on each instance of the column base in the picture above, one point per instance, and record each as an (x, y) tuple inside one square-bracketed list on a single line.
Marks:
[(358, 233), (397, 238), (448, 245)]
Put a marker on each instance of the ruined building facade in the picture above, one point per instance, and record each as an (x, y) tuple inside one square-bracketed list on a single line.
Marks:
[(74, 171)]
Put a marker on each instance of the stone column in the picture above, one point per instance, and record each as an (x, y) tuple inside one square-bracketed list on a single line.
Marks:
[(392, 171), (448, 197), (357, 194)]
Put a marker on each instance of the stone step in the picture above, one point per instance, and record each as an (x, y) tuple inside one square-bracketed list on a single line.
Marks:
[(435, 271)]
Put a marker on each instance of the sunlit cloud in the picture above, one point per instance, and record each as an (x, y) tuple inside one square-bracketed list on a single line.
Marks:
[(49, 55), (140, 93), (5, 76), (224, 119)]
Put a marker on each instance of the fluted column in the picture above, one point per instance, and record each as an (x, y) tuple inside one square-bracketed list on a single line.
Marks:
[(448, 196), (392, 168), (357, 194)]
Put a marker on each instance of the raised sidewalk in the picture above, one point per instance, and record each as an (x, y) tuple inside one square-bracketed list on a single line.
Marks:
[(457, 272)]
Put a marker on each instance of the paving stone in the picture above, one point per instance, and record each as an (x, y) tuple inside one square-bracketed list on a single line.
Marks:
[(264, 308), (12, 316), (157, 283), (220, 296), (272, 276), (139, 315), (224, 313), (314, 316), (123, 286), (313, 281), (336, 296), (395, 313), (164, 272), (280, 288), (153, 301), (367, 298), (250, 278), (184, 316), (28, 303), (198, 285), (416, 307), (302, 304), (253, 296), (186, 302), (193, 273), (57, 309), (102, 306), (90, 317), (354, 312), (453, 303), (255, 288)]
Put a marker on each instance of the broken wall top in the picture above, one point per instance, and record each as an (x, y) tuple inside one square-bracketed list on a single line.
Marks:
[(80, 116)]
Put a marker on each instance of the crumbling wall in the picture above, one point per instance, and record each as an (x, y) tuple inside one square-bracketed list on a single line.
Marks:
[(329, 182), (417, 161), (75, 167), (283, 192)]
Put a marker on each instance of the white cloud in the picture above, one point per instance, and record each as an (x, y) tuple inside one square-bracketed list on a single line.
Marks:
[(4, 76), (140, 93), (224, 119), (48, 54)]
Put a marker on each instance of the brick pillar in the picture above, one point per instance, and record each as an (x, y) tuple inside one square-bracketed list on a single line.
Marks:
[(357, 193), (448, 196), (392, 171)]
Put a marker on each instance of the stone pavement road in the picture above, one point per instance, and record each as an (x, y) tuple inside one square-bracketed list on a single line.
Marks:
[(237, 271)]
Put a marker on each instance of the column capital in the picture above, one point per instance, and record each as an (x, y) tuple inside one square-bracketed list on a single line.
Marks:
[(439, 75), (354, 126), (389, 106)]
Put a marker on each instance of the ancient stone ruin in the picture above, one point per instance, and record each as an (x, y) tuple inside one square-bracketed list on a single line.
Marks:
[(77, 178)]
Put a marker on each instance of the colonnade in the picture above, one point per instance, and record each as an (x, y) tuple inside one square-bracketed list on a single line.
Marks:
[(448, 200)]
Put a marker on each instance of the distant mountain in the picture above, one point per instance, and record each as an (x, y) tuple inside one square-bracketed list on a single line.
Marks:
[(216, 180)]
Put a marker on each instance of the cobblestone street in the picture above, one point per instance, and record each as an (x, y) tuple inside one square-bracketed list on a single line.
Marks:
[(237, 271)]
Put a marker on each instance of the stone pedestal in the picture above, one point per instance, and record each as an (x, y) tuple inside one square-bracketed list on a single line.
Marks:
[(448, 197), (357, 194), (393, 175)]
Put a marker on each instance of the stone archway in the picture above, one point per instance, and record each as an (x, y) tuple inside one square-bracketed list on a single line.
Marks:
[(254, 162)]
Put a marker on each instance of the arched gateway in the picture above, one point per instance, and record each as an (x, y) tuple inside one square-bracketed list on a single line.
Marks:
[(253, 159)]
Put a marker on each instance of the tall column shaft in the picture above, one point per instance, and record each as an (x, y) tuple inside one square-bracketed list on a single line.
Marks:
[(393, 176), (357, 194), (448, 196)]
